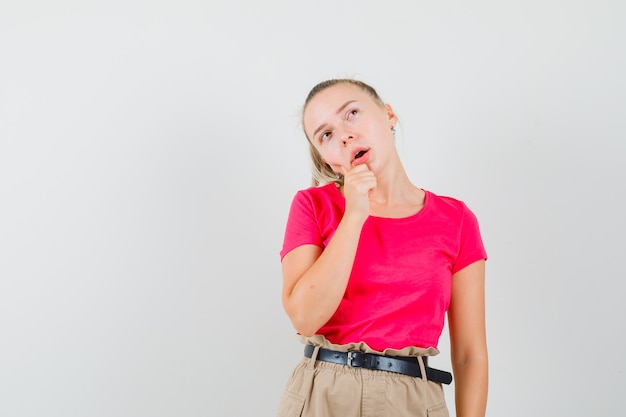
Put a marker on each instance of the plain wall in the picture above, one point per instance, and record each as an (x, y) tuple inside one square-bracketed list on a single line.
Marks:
[(149, 152)]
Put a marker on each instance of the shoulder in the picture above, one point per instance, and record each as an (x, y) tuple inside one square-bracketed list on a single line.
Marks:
[(321, 190), (319, 195), (446, 204)]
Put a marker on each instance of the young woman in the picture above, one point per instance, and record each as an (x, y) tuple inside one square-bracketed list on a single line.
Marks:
[(371, 264)]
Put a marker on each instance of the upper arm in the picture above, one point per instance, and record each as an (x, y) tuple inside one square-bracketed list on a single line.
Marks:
[(466, 315), (294, 264)]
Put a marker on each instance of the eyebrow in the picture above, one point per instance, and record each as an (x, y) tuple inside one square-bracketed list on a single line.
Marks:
[(339, 110)]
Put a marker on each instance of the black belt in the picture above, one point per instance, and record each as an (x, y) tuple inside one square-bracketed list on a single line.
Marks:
[(407, 365)]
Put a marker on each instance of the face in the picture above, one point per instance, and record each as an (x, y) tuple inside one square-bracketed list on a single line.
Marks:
[(349, 127)]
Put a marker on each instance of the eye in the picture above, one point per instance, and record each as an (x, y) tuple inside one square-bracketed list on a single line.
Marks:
[(325, 136), (351, 114)]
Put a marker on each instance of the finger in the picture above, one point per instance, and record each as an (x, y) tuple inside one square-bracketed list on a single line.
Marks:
[(361, 168)]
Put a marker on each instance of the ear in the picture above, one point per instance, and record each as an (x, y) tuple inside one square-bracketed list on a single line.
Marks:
[(391, 116)]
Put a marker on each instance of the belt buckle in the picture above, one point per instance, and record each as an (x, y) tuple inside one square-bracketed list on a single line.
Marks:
[(350, 358)]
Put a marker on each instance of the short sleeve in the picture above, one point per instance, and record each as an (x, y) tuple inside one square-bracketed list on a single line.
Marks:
[(302, 227), (471, 247)]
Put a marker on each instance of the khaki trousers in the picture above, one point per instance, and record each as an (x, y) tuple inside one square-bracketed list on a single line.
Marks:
[(322, 389)]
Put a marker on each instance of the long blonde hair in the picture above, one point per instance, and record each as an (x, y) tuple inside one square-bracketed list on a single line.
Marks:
[(321, 172)]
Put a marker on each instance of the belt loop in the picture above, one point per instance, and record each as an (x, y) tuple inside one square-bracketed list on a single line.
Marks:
[(420, 361), (311, 364)]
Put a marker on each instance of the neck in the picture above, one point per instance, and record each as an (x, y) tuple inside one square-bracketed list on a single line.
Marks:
[(394, 188)]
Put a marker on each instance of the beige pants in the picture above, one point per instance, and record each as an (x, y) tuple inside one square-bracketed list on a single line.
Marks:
[(322, 389)]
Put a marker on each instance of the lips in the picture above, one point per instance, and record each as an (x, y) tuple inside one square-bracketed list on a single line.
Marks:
[(359, 153), (360, 156)]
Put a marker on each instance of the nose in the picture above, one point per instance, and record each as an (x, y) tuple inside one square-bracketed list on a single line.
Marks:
[(346, 137)]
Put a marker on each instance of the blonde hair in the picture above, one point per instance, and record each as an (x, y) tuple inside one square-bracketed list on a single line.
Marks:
[(321, 172)]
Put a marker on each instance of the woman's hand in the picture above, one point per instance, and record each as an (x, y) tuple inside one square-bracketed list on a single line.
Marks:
[(358, 183)]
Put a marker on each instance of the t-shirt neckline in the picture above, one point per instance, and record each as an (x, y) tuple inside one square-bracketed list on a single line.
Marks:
[(427, 198)]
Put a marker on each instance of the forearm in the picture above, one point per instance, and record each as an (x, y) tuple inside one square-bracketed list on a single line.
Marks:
[(317, 294), (471, 384)]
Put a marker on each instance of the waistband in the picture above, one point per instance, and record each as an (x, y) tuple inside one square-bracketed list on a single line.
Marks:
[(406, 365)]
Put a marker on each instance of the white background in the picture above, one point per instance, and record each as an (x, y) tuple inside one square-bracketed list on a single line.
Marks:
[(149, 151)]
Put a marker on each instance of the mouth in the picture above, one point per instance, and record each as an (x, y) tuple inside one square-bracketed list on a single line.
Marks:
[(359, 154)]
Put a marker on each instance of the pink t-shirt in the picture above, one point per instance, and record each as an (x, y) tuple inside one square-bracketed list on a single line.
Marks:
[(400, 284)]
